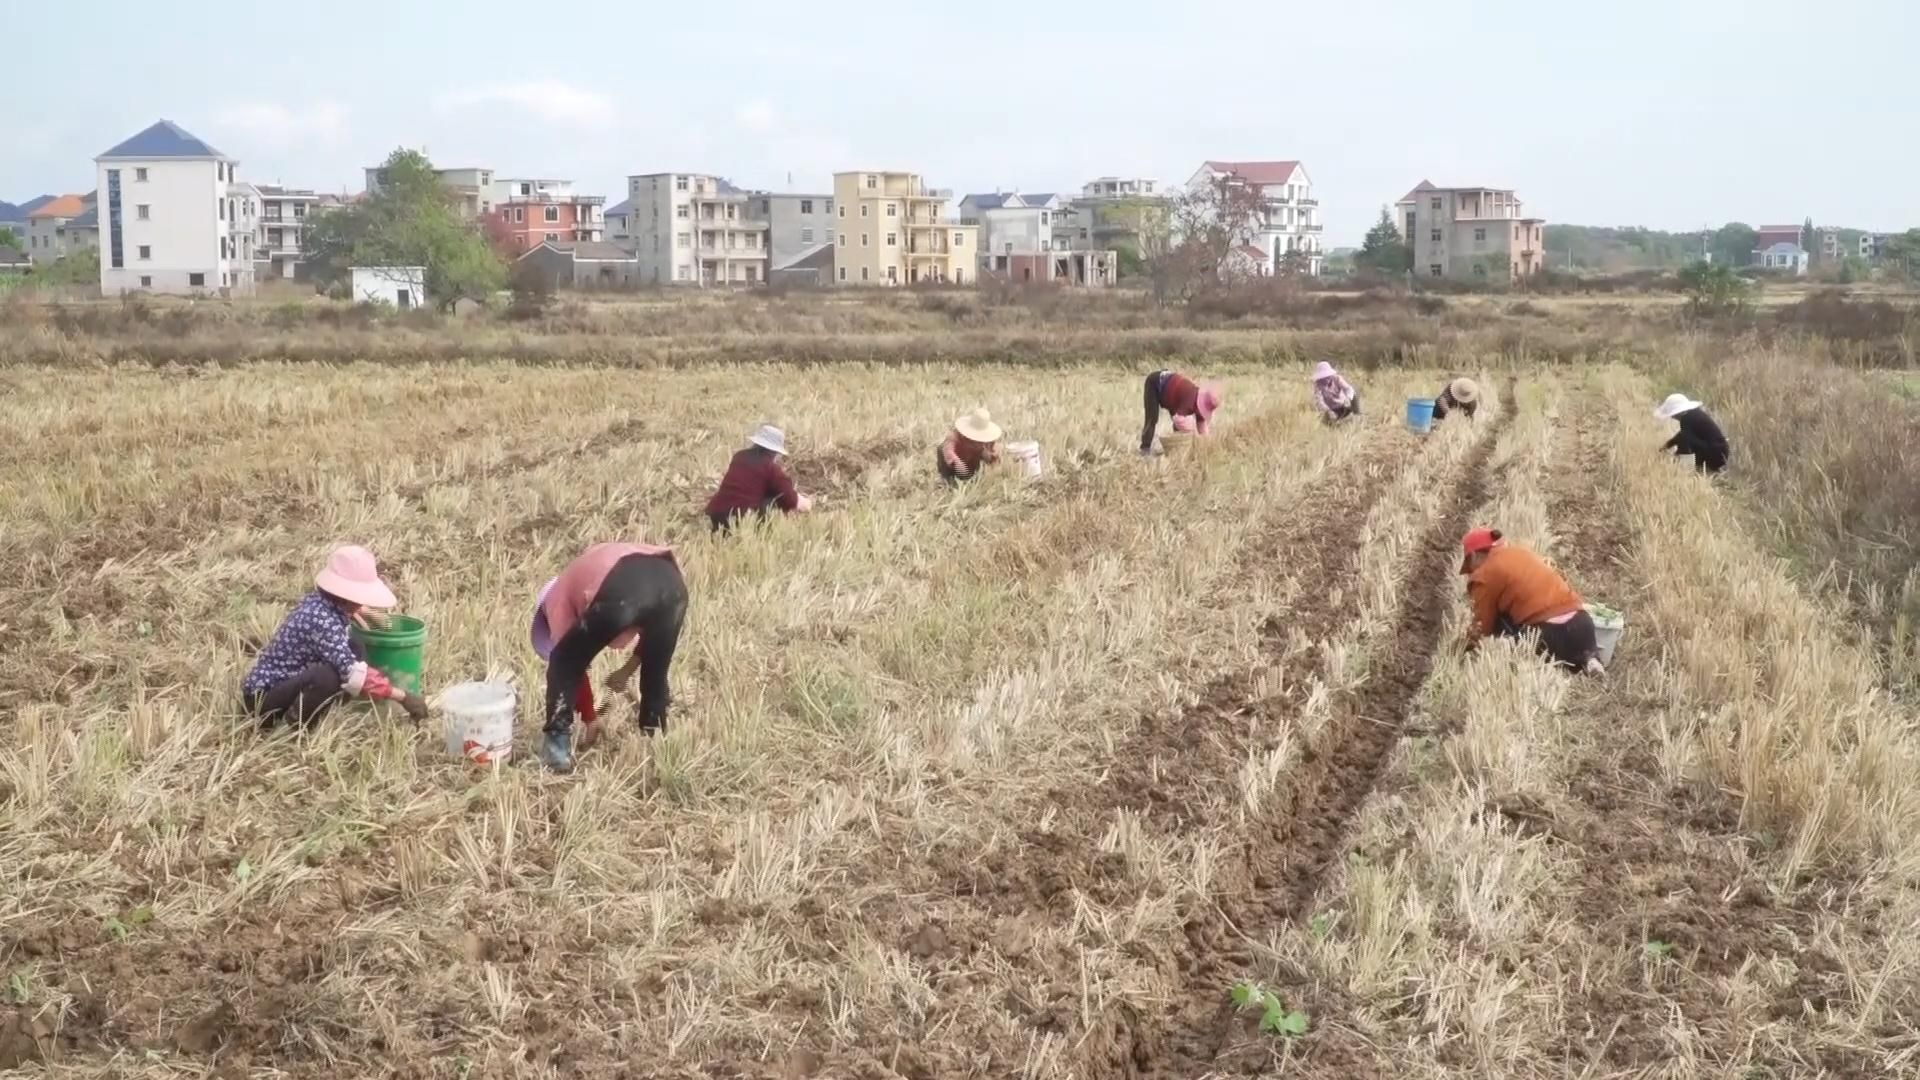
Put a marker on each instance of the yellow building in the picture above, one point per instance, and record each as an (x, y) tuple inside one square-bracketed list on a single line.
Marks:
[(889, 229)]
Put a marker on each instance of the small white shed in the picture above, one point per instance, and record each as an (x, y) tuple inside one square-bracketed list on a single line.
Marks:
[(402, 286)]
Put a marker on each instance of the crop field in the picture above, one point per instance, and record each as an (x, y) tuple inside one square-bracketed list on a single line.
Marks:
[(1147, 768)]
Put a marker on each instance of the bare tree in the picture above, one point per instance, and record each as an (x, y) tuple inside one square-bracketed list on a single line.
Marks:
[(1205, 225)]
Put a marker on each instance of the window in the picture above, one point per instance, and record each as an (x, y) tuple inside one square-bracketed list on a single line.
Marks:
[(1479, 270), (520, 213), (219, 171), (843, 239), (806, 236), (685, 273), (679, 183), (806, 206), (864, 208), (140, 175), (1516, 232), (893, 209), (684, 240), (1436, 203), (146, 282), (893, 240), (1479, 236), (222, 204), (1435, 236), (873, 182), (843, 212), (1434, 269), (1043, 217), (143, 212), (1047, 245), (226, 279), (146, 252), (552, 214), (863, 240), (843, 273), (196, 281), (959, 239), (864, 275), (553, 236), (893, 275), (730, 211), (683, 211)]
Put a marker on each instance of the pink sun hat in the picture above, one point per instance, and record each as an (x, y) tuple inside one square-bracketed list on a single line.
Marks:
[(540, 633), (352, 575), (1209, 400), (1323, 370)]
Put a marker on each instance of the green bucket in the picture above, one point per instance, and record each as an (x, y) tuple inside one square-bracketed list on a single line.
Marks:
[(395, 650)]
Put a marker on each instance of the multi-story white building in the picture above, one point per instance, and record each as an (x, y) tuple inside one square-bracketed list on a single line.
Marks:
[(1289, 220), (278, 245), (167, 209), (693, 229)]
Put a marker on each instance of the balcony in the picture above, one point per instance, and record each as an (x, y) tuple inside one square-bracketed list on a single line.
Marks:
[(540, 198), (1306, 202), (1313, 228), (712, 251)]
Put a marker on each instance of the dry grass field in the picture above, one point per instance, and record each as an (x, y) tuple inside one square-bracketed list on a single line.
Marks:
[(1022, 780)]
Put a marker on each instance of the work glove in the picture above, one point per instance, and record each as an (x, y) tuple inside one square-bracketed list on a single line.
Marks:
[(416, 707)]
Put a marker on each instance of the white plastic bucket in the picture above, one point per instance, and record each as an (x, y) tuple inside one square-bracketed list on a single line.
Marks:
[(1608, 625), (1028, 455), (479, 721)]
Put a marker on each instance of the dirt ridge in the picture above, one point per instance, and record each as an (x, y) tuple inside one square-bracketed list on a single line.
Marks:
[(1287, 864)]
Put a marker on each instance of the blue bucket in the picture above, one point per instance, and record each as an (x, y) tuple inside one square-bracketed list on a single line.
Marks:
[(1420, 414)]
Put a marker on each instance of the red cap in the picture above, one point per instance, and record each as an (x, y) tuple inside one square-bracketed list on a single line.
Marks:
[(1476, 541)]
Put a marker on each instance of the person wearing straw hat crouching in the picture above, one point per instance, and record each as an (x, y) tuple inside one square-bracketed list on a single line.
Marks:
[(312, 660), (1461, 394), (1334, 396), (756, 482), (1515, 594), (612, 596), (1698, 434), (973, 442)]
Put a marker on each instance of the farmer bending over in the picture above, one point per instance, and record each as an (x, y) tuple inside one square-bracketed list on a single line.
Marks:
[(1189, 403), (1462, 394), (971, 444), (607, 598), (1334, 396), (756, 482), (1515, 593), (312, 659), (1698, 434)]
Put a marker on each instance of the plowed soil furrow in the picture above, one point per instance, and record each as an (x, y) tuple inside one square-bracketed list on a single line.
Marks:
[(1289, 851)]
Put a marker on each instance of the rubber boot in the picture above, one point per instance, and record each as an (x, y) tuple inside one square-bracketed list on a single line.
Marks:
[(557, 751)]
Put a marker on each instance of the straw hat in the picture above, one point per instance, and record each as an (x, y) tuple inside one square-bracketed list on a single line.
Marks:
[(541, 634), (1323, 370), (1674, 406), (978, 426), (352, 575), (1465, 391), (768, 437)]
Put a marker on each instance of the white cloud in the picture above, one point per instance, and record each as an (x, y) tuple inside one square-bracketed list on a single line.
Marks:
[(755, 115), (555, 102), (272, 124)]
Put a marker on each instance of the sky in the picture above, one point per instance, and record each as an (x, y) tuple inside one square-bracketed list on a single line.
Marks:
[(1673, 114)]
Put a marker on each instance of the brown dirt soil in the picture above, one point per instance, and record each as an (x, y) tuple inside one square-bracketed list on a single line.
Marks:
[(836, 470)]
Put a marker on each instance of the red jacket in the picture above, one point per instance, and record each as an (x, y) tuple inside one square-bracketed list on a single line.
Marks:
[(1180, 395), (754, 476)]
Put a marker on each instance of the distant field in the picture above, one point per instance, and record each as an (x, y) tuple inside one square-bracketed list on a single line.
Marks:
[(1022, 780)]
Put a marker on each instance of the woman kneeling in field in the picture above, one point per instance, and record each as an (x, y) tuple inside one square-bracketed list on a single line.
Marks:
[(1334, 396), (605, 599), (972, 443), (1516, 594), (1191, 405), (756, 482), (1462, 395), (312, 660)]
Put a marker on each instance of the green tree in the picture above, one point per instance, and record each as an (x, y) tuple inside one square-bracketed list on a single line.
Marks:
[(1714, 288), (411, 221), (1733, 243), (1900, 255), (10, 239), (79, 268), (1811, 242), (1383, 251)]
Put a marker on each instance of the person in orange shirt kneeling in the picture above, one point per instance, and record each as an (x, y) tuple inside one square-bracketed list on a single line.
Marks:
[(1516, 594)]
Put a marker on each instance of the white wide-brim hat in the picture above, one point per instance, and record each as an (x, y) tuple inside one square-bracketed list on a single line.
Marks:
[(768, 437), (978, 425), (1674, 406), (1465, 391)]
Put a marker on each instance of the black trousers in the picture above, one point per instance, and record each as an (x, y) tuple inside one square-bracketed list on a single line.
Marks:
[(641, 592), (724, 522), (1569, 644), (303, 697), (1351, 408), (1151, 406)]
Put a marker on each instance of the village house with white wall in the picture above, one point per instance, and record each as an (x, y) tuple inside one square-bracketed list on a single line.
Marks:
[(168, 207), (1289, 222)]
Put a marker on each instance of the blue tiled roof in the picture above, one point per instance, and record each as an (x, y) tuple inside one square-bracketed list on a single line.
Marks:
[(624, 206), (986, 202), (165, 139), (1035, 198)]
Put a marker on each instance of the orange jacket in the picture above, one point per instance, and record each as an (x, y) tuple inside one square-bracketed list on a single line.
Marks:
[(1520, 585)]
